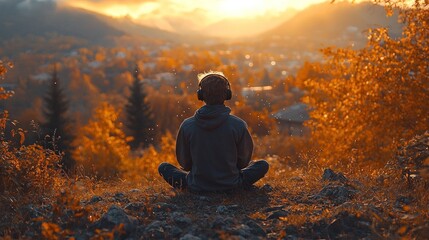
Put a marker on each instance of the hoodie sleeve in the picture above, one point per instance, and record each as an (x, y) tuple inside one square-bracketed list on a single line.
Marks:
[(183, 152), (245, 149)]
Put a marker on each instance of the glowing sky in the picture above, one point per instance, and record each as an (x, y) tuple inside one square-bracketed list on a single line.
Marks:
[(208, 9)]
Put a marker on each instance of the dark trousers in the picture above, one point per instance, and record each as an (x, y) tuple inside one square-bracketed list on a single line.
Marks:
[(177, 177)]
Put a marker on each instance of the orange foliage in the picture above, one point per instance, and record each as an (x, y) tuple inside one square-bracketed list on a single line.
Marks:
[(102, 147), (3, 69), (146, 166), (366, 100), (169, 109)]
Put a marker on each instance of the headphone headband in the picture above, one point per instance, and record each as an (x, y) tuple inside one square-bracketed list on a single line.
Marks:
[(228, 92), (214, 75)]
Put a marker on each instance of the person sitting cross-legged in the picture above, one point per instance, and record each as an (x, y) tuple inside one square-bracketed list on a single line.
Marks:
[(214, 148)]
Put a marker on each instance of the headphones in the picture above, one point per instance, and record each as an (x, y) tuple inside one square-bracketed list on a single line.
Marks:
[(200, 92)]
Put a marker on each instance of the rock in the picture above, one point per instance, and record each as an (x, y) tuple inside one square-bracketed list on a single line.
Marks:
[(221, 223), (159, 230), (402, 201), (233, 207), (95, 199), (189, 236), (204, 198), (135, 190), (329, 175), (336, 193), (274, 208), (180, 219), (291, 230), (226, 209), (267, 188), (255, 228), (348, 225), (135, 206), (243, 231), (34, 212), (120, 197), (221, 209), (156, 230), (278, 214), (164, 207), (174, 231), (114, 217)]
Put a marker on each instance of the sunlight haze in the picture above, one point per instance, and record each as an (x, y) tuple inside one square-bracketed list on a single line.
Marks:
[(201, 13)]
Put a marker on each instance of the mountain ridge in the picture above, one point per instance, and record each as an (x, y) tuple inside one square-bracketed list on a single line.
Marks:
[(317, 21), (41, 18)]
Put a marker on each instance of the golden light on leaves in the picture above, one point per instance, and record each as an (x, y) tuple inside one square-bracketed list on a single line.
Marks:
[(102, 145), (358, 94)]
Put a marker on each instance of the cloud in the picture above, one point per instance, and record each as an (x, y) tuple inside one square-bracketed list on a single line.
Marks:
[(104, 2), (172, 15)]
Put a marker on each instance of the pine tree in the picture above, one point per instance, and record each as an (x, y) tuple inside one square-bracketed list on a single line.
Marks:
[(58, 136), (139, 116)]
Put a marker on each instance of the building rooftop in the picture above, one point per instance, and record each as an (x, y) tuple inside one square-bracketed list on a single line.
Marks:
[(295, 113)]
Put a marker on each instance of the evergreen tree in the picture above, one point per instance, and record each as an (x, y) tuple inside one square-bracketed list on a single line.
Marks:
[(139, 116), (56, 127)]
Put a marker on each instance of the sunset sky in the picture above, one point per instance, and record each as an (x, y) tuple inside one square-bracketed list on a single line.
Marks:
[(212, 8), (207, 10)]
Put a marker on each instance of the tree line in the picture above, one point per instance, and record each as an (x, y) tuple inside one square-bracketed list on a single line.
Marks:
[(58, 133)]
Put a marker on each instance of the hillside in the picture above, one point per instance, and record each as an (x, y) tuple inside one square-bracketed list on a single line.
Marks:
[(227, 28), (22, 19), (335, 23)]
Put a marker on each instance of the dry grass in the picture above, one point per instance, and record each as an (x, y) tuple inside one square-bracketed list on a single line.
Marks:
[(68, 210)]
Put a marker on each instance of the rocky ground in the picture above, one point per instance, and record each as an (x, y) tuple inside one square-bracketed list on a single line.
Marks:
[(329, 206)]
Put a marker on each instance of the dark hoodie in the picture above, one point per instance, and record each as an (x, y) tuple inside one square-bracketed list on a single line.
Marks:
[(213, 146)]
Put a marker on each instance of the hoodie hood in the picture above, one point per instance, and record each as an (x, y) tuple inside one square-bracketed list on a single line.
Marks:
[(211, 116)]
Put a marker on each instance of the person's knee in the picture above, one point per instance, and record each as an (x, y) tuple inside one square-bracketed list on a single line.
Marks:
[(264, 165), (162, 167)]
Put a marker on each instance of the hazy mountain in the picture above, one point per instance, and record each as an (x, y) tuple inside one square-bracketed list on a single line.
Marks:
[(245, 27), (38, 18), (336, 22)]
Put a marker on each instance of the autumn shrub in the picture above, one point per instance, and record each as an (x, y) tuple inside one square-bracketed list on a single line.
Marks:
[(68, 217), (413, 157), (4, 94), (101, 145), (260, 123), (145, 167), (293, 149), (366, 100), (28, 175)]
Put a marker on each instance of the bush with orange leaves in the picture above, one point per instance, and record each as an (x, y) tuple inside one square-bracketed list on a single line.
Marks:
[(366, 100), (4, 94), (101, 145), (145, 167), (28, 175)]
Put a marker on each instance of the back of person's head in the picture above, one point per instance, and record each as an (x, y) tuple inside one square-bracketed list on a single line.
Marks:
[(214, 88)]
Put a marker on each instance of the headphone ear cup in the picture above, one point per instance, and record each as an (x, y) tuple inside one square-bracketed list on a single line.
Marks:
[(200, 94), (228, 94)]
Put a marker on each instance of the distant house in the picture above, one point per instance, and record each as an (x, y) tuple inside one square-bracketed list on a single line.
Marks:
[(252, 91), (291, 119)]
